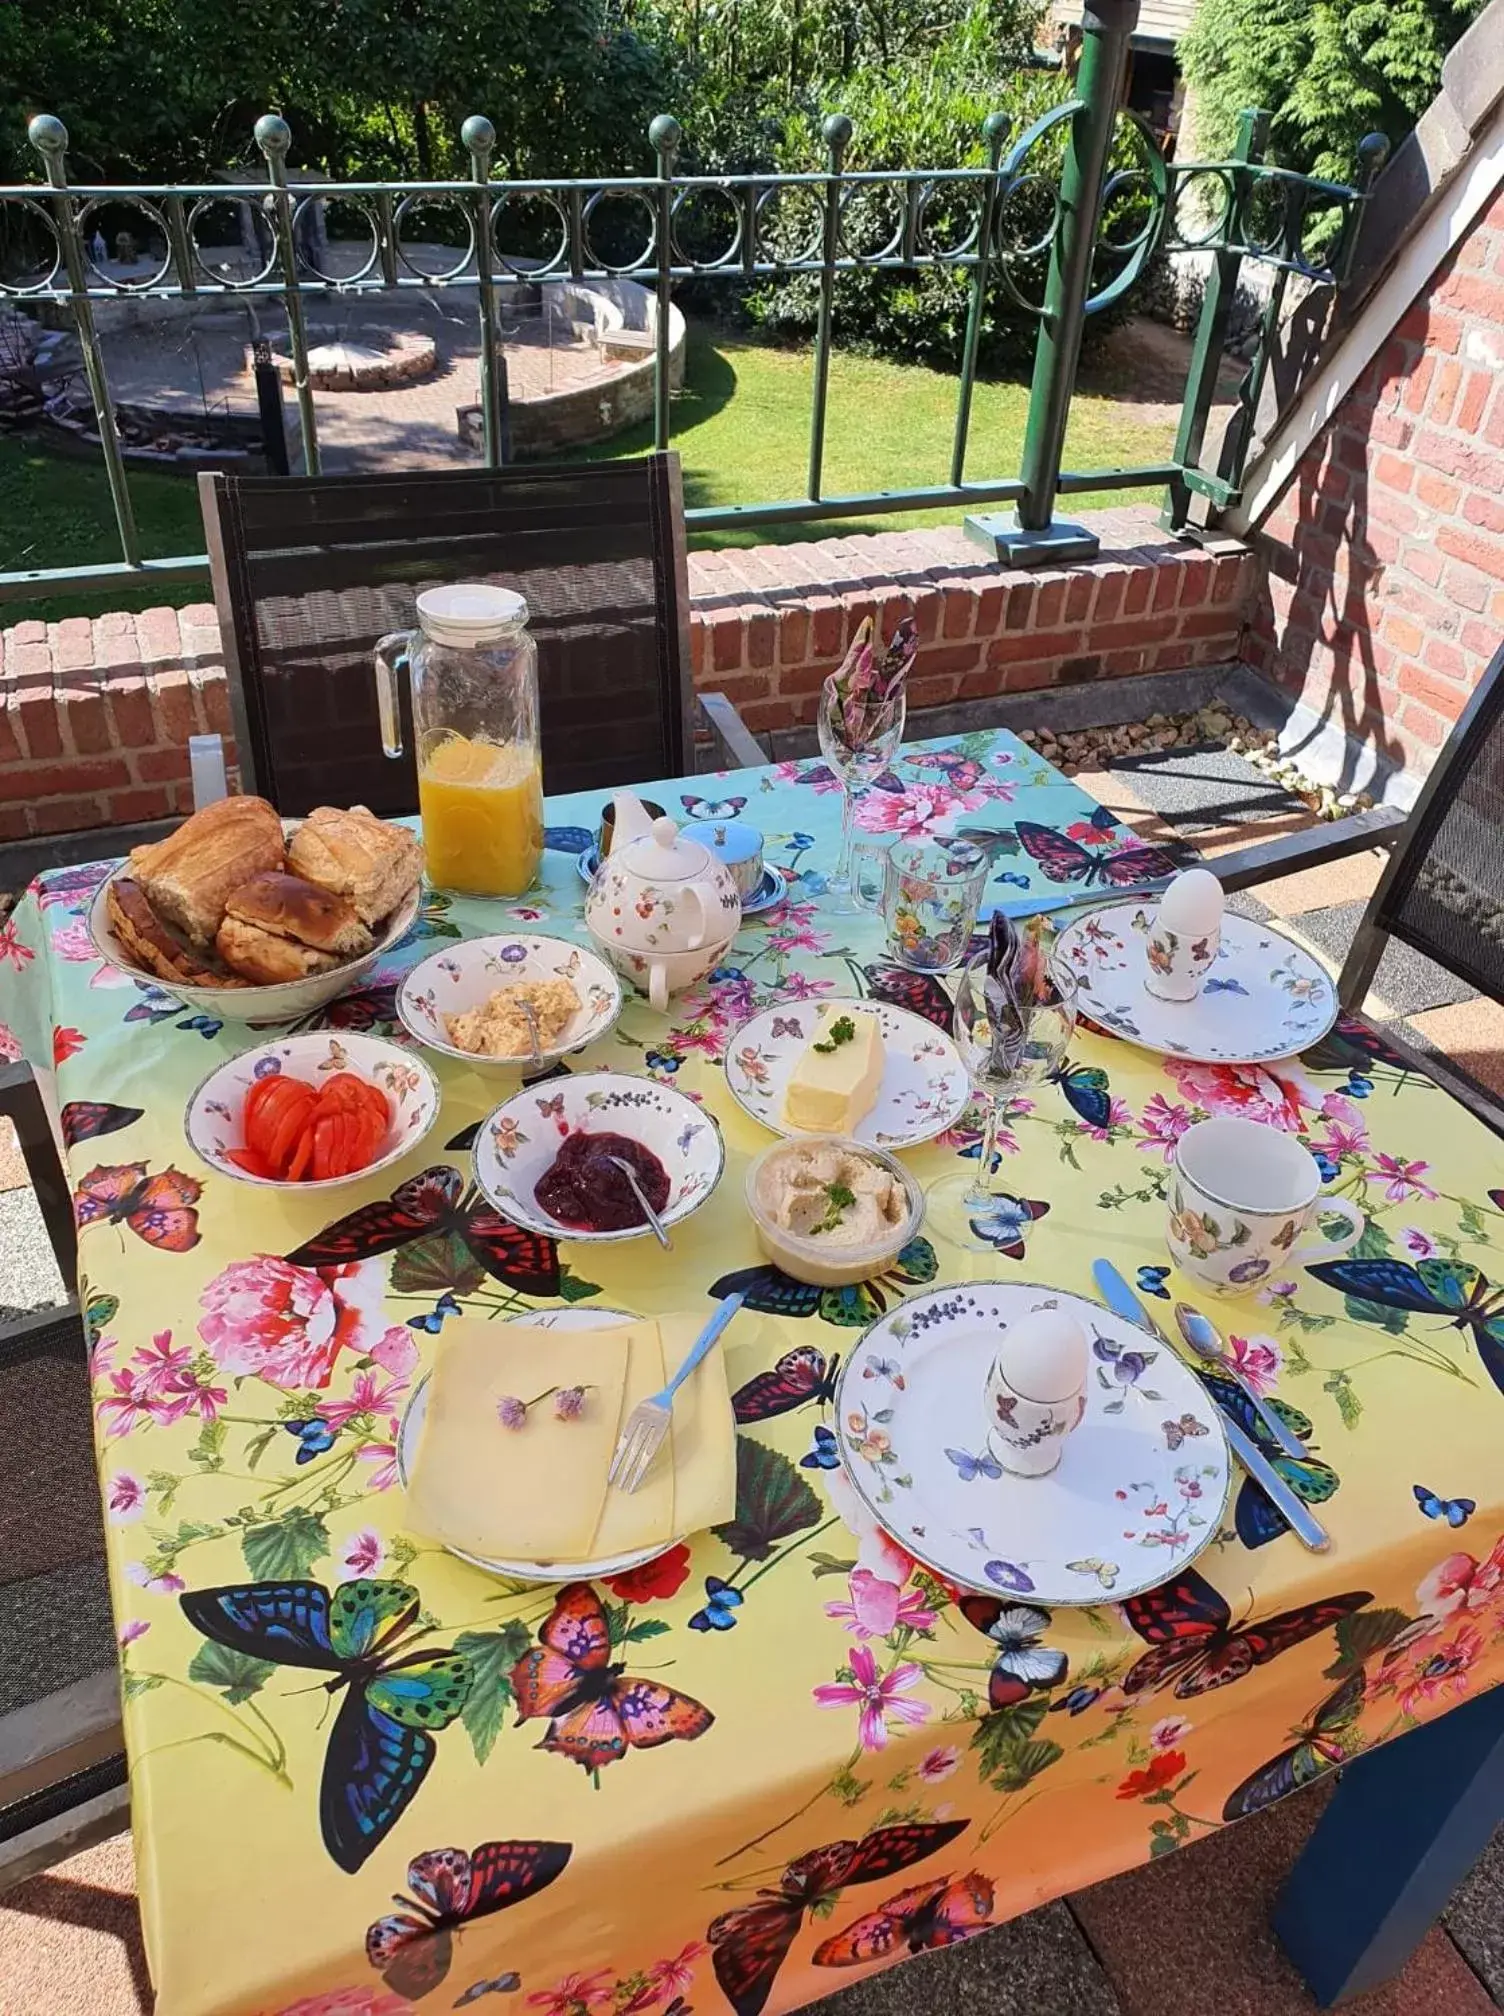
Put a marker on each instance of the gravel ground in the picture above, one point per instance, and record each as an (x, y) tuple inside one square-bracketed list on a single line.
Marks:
[(28, 1274)]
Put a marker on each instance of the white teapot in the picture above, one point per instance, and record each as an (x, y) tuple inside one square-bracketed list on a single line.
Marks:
[(661, 908)]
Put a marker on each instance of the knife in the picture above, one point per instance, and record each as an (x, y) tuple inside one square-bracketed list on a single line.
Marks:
[(1124, 1303)]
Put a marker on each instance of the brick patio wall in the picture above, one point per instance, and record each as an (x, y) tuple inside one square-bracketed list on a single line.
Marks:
[(1384, 597), (97, 712)]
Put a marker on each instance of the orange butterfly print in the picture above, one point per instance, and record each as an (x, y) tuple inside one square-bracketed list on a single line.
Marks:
[(158, 1209), (596, 1712), (751, 1942), (927, 1916)]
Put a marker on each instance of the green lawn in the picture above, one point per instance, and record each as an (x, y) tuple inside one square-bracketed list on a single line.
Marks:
[(741, 425)]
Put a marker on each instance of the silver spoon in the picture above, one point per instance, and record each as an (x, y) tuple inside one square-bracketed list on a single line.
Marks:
[(1206, 1341), (532, 1028), (637, 1191)]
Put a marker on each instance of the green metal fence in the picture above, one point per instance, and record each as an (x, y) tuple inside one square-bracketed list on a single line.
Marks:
[(1063, 222)]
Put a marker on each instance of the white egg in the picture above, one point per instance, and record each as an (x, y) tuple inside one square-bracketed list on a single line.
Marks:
[(1044, 1355), (1192, 905)]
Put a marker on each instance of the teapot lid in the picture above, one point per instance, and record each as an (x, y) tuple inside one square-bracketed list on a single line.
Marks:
[(470, 614), (664, 855)]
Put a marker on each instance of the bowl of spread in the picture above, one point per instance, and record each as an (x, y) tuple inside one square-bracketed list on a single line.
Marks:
[(830, 1210)]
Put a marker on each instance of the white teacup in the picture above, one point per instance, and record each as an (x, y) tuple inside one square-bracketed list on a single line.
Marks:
[(1242, 1198)]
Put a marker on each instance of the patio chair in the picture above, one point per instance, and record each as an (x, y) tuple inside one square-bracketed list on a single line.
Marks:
[(310, 571), (1442, 889), (62, 1752)]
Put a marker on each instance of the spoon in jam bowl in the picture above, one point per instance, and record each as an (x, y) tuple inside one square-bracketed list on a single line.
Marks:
[(638, 1192)]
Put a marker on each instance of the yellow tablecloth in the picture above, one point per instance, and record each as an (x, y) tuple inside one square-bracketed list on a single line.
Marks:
[(828, 1725)]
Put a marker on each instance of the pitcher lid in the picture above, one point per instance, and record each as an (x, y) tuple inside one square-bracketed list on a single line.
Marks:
[(469, 614)]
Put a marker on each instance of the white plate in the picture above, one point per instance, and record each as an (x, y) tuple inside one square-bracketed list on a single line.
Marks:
[(770, 890), (463, 975), (575, 1318), (285, 1002), (912, 1391), (519, 1140), (924, 1090), (1265, 996), (211, 1119)]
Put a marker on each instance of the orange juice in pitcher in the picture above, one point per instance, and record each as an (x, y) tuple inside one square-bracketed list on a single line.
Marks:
[(482, 807), (473, 672)]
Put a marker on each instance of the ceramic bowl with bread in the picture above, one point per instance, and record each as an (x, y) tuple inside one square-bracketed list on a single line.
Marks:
[(240, 919)]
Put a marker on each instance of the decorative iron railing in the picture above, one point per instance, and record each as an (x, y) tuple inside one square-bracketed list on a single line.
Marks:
[(1062, 240)]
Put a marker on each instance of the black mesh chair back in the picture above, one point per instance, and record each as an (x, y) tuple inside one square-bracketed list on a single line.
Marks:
[(1443, 890), (310, 571)]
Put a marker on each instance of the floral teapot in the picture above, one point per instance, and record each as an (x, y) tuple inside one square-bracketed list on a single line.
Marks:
[(661, 908)]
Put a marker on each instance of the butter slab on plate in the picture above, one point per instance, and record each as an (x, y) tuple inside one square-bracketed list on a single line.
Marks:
[(924, 1088), (837, 1076)]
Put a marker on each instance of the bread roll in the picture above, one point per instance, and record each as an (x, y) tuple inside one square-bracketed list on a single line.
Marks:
[(289, 907), (150, 945), (265, 959), (187, 876), (358, 856)]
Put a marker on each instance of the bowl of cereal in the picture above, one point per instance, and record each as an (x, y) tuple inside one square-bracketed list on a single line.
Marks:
[(509, 1002)]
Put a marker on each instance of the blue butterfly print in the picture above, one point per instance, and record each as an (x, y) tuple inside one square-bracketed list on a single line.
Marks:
[(381, 1745), (1312, 1481), (568, 839), (801, 842), (1086, 1092), (315, 1436), (724, 973), (825, 1455), (1452, 1289), (1358, 1087), (433, 1322), (970, 1467), (1456, 1511), (1077, 1701), (504, 1984), (1004, 1220), (662, 1060), (1330, 1169), (1151, 1281), (1225, 987), (1012, 880), (722, 1604)]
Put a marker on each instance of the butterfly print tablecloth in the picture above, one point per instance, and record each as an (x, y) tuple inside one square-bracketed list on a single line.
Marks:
[(366, 1778)]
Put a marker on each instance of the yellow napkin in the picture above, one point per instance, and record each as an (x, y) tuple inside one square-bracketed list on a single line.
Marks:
[(538, 1493)]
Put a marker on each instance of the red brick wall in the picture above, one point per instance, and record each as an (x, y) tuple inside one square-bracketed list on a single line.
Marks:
[(1385, 556), (96, 714)]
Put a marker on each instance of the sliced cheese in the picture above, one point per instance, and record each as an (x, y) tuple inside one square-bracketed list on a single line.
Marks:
[(692, 1483), (830, 1091), (519, 1494)]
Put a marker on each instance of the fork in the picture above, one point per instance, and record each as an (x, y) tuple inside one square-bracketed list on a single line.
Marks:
[(648, 1422)]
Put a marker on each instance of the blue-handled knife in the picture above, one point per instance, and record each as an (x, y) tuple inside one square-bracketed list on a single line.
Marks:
[(1124, 1303)]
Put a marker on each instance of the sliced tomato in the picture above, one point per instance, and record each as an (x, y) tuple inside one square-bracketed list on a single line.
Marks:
[(265, 1112), (323, 1142), (302, 1156), (248, 1160), (290, 1122)]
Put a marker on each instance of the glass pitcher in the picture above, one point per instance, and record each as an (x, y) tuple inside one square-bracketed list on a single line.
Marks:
[(473, 669)]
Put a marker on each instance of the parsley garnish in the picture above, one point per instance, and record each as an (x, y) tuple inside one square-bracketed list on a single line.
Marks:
[(837, 1200), (842, 1030)]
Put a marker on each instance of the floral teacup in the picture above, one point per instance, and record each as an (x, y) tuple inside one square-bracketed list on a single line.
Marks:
[(1243, 1198)]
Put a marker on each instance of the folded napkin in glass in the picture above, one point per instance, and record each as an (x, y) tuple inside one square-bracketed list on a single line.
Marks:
[(537, 1491)]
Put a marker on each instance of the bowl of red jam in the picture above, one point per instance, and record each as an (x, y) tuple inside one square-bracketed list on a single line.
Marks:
[(549, 1157)]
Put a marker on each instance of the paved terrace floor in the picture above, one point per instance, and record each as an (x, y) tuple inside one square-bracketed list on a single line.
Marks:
[(1187, 1936)]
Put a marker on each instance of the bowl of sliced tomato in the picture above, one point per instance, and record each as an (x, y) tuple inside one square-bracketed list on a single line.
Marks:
[(311, 1112)]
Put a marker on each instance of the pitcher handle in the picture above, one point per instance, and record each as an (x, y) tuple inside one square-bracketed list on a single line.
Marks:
[(390, 656), (1328, 1249)]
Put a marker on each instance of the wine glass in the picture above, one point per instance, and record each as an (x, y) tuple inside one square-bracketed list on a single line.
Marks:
[(1005, 1055), (858, 751)]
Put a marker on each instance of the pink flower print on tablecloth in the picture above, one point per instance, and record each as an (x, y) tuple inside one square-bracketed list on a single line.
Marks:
[(879, 1697), (266, 1319), (875, 1607), (1277, 1097)]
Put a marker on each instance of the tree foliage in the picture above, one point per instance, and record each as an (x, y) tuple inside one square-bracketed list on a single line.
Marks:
[(1327, 72)]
